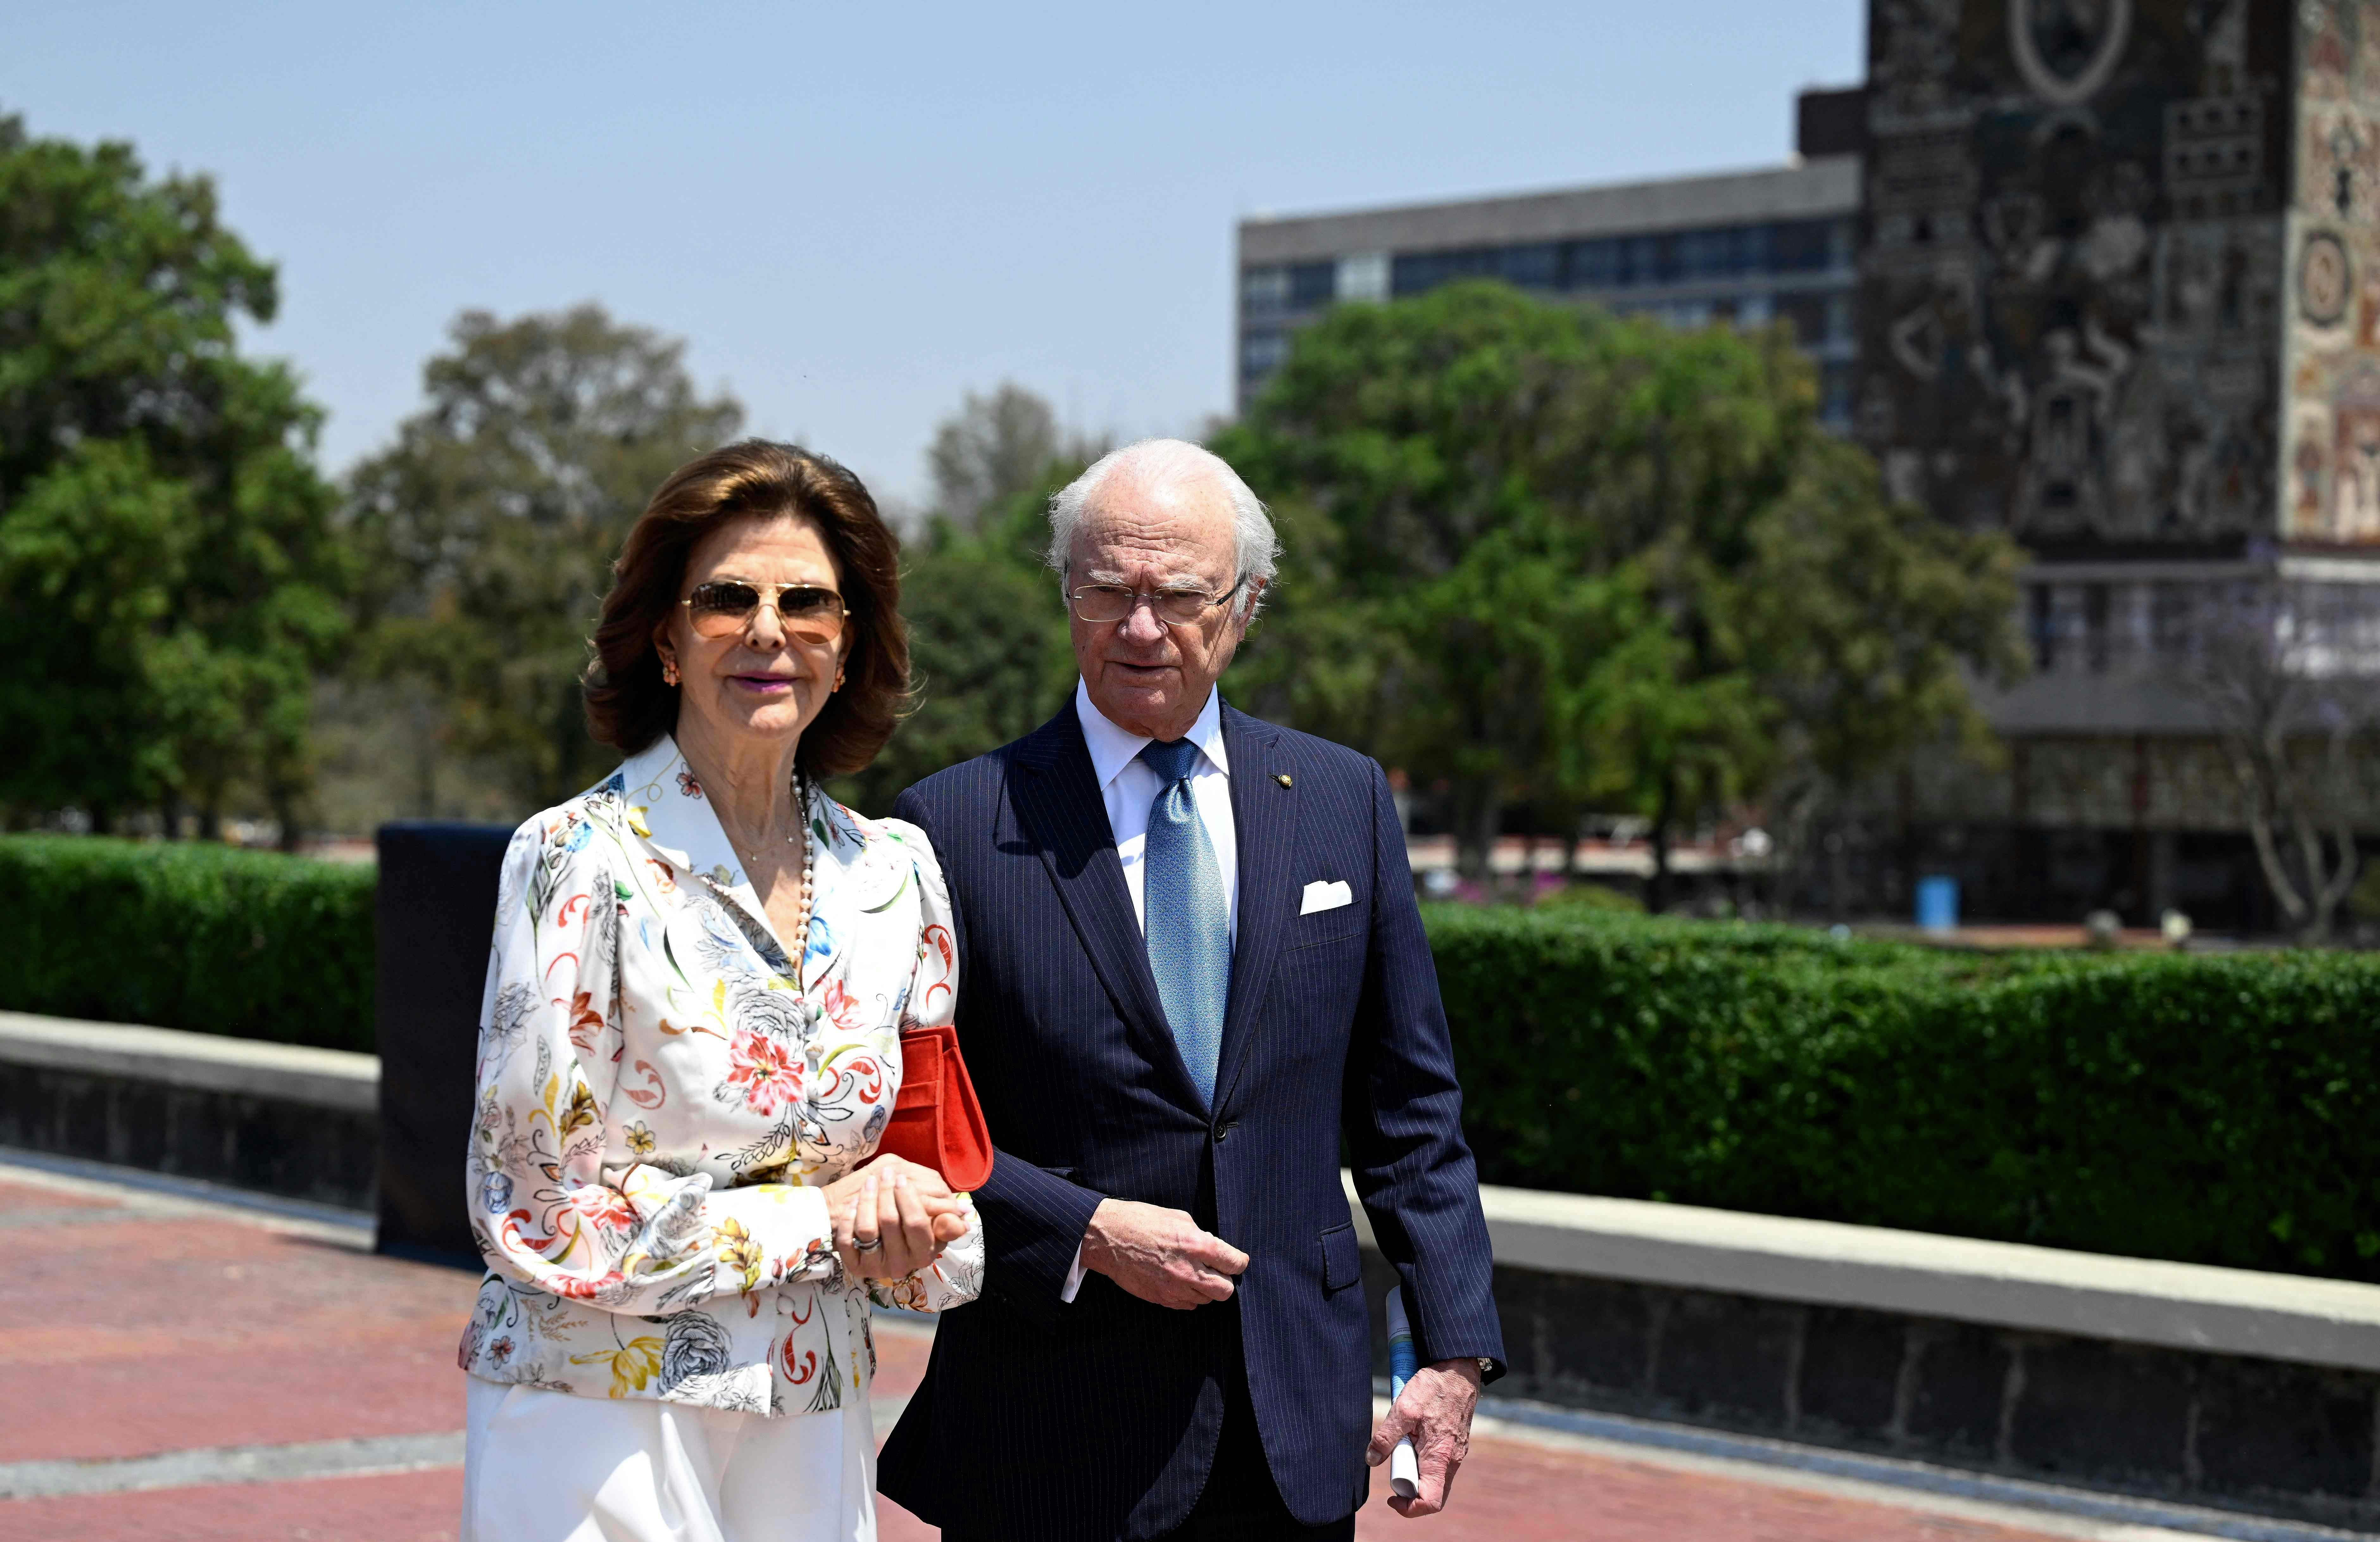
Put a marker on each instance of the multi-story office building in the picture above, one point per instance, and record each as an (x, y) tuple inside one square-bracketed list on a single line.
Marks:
[(1748, 246)]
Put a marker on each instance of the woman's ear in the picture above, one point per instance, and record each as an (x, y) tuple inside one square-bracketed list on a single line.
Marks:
[(666, 652)]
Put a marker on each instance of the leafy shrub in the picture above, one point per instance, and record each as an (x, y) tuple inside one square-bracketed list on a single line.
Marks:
[(1591, 896), (198, 937), (2221, 1110)]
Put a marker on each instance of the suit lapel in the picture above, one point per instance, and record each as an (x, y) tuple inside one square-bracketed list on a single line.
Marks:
[(1060, 809), (1264, 814)]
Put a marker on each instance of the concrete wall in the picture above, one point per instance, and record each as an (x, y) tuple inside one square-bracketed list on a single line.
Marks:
[(2214, 1387), (279, 1119)]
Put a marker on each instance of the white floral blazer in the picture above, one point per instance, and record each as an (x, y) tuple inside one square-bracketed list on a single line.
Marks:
[(658, 1102)]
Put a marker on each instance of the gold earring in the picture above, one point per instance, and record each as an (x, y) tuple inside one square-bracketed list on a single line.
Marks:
[(669, 672)]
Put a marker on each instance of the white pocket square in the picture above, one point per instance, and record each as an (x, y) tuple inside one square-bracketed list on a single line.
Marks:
[(1325, 895)]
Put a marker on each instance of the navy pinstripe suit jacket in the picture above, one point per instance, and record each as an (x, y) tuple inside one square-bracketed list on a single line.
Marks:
[(1099, 1420)]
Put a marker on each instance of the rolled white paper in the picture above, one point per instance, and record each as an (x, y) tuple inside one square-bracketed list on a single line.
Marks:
[(1404, 1468)]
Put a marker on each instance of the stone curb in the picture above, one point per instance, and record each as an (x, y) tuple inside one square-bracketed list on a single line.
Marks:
[(2142, 1301), (290, 1073)]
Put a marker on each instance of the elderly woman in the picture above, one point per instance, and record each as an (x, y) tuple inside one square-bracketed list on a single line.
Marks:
[(690, 1044)]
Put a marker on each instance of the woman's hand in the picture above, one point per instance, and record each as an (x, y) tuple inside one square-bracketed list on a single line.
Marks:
[(893, 1218)]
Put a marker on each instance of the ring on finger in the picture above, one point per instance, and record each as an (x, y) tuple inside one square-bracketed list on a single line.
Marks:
[(873, 1244)]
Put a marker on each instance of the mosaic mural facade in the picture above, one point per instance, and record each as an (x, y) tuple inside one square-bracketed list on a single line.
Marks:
[(2333, 427), (2072, 278)]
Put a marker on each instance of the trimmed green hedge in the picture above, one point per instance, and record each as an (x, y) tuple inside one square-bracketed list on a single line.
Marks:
[(193, 936), (2221, 1110), (2218, 1110)]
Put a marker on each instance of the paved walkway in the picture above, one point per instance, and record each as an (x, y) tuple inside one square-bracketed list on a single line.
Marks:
[(185, 1372)]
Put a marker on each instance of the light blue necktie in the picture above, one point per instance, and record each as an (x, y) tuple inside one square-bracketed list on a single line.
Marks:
[(1186, 924)]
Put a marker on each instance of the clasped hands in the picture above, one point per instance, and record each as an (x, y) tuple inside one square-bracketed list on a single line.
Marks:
[(1164, 1256), (893, 1218)]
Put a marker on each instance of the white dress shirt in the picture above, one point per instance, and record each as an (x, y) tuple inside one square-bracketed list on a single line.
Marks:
[(1127, 787)]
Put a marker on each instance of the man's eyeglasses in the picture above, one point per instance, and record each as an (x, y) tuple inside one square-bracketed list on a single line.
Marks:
[(725, 606), (1098, 603)]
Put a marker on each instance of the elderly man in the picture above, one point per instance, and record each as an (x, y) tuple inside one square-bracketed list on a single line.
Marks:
[(1189, 963)]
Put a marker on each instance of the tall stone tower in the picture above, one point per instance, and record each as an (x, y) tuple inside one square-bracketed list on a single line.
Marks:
[(2077, 287), (2120, 297), (2330, 433)]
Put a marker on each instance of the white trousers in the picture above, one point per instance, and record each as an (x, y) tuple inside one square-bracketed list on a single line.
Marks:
[(541, 1466)]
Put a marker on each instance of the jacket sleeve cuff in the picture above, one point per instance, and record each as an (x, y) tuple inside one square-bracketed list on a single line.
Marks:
[(1034, 1221)]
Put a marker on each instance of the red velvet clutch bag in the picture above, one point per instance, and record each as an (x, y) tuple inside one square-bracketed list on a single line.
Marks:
[(936, 1121)]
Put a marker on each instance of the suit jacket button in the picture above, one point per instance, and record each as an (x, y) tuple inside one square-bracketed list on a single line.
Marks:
[(1225, 1133)]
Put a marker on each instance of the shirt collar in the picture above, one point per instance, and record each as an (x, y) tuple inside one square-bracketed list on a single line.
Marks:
[(852, 865), (666, 806), (1113, 748)]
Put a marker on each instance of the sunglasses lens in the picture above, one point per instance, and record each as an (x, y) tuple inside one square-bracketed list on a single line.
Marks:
[(720, 608), (810, 604)]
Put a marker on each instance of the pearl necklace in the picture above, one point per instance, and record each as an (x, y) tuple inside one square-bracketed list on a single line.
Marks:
[(802, 833)]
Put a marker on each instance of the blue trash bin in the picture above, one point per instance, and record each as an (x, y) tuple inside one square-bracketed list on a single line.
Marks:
[(1937, 903)]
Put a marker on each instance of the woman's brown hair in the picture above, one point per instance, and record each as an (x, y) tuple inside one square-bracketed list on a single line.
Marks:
[(627, 704)]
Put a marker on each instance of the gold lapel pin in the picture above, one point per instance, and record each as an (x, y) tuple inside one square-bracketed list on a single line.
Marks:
[(1281, 777)]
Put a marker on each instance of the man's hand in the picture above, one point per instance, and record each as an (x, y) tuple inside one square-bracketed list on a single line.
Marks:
[(1159, 1255), (1435, 1409)]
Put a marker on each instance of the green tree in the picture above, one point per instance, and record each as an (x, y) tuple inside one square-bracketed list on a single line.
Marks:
[(490, 524), (170, 575), (1873, 616), (1429, 461), (1700, 437), (989, 656), (991, 449)]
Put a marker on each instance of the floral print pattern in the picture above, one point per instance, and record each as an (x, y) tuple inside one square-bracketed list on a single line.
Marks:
[(660, 1098)]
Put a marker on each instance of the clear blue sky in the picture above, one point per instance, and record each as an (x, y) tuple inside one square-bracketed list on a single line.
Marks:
[(854, 214)]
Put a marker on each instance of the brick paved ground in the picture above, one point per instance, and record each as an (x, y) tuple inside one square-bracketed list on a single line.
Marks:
[(132, 1327)]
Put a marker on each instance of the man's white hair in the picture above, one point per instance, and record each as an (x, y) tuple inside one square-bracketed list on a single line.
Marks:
[(1153, 461)]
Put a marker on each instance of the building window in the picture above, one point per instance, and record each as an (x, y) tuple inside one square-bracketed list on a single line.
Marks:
[(1706, 254), (1364, 276), (2096, 645), (1417, 272), (1804, 246), (1751, 244), (1261, 352), (1264, 292), (1835, 393), (2041, 624), (1808, 314), (1714, 254), (1641, 261), (1536, 266), (1591, 264), (1313, 285)]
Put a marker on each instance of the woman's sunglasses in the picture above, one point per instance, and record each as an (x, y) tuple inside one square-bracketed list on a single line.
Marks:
[(725, 606)]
